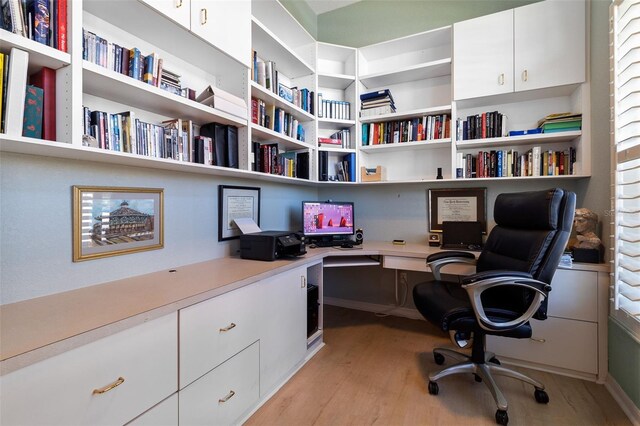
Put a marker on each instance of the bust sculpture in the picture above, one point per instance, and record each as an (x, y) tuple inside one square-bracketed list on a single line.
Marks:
[(584, 223)]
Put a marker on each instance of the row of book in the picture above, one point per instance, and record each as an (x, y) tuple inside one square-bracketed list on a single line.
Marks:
[(511, 163), (339, 139), (27, 102), (376, 103), (425, 128), (560, 122), (43, 21), (216, 145), (345, 168), (265, 74), (131, 62), (337, 110), (481, 126), (268, 159), (276, 119)]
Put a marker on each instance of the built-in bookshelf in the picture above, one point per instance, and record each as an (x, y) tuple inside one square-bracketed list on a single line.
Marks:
[(416, 69)]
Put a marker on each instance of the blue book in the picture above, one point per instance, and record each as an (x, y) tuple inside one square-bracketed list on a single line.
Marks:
[(375, 95), (39, 19), (499, 160), (350, 159), (33, 104)]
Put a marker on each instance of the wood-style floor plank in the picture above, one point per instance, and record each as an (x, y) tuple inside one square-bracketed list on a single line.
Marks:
[(373, 371)]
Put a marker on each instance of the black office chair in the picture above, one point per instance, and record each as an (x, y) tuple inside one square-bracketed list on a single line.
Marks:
[(510, 286)]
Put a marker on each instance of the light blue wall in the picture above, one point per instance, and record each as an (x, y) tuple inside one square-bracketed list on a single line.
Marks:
[(36, 205)]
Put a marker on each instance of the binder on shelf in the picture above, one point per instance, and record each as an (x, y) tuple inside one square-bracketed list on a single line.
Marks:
[(46, 80), (33, 102), (232, 147), (323, 166), (16, 90)]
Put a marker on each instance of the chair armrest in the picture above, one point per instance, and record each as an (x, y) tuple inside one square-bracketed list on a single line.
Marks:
[(437, 260), (497, 273), (504, 278)]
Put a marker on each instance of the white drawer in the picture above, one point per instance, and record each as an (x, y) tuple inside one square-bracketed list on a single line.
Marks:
[(574, 295), (420, 264), (224, 394), (60, 390), (163, 414), (557, 342), (214, 330)]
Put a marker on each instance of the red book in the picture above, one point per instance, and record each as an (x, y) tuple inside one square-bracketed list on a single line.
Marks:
[(62, 25), (254, 110), (46, 80)]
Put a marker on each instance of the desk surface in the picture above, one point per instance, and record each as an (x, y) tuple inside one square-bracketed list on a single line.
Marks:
[(39, 328)]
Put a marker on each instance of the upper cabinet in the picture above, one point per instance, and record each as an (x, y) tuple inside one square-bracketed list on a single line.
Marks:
[(552, 54), (226, 24), (532, 47), (483, 56), (176, 10)]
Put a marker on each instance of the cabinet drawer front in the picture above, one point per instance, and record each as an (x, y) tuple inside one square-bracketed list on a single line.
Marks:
[(60, 390), (559, 342), (405, 263), (224, 394), (574, 295), (214, 330), (163, 414)]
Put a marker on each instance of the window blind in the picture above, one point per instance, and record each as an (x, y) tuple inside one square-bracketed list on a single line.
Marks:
[(625, 136)]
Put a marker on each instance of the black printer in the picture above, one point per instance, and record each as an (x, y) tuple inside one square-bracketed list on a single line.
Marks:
[(271, 245)]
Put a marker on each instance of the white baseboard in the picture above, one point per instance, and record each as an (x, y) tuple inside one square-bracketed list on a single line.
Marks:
[(373, 307), (629, 408)]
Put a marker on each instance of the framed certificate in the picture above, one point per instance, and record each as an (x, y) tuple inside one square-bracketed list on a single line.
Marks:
[(459, 205), (236, 202)]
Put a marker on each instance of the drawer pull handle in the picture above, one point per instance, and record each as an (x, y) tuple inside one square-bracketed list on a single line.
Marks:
[(203, 16), (178, 4), (501, 79), (538, 340), (227, 328), (227, 397), (525, 75), (109, 387)]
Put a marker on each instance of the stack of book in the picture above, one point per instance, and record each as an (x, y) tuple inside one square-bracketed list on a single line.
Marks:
[(376, 103), (561, 122), (43, 21), (339, 139)]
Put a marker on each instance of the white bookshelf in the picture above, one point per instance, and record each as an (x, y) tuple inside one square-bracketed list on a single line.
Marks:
[(39, 54)]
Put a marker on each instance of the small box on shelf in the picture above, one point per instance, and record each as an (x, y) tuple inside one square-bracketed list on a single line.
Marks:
[(376, 174)]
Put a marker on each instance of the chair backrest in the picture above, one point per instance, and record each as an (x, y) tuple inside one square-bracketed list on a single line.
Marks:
[(532, 230)]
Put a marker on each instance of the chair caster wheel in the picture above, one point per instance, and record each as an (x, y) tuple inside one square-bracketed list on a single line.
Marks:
[(478, 378), (438, 358), (502, 418), (433, 388), (541, 396), (494, 360)]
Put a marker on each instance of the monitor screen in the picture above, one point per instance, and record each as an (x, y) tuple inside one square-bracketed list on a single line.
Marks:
[(325, 218)]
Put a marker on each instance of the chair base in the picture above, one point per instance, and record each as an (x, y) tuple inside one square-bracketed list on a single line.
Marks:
[(484, 371)]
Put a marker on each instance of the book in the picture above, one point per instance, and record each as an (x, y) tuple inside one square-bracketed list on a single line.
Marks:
[(376, 94), (350, 161), (2, 87), (38, 12), (61, 24), (302, 165), (323, 164), (16, 90), (32, 122), (232, 146), (46, 80)]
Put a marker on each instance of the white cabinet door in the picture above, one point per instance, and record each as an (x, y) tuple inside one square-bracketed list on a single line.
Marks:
[(176, 10), (283, 335), (163, 414), (106, 382), (557, 342), (224, 394), (225, 24), (549, 44), (216, 329), (483, 56)]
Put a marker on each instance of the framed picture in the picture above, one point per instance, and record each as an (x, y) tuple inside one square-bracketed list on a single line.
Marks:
[(111, 221), (461, 205), (236, 202)]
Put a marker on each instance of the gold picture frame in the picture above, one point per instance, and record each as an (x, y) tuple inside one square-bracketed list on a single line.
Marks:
[(112, 221)]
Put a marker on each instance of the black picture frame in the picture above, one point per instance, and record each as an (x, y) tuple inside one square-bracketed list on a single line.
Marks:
[(236, 202), (457, 204)]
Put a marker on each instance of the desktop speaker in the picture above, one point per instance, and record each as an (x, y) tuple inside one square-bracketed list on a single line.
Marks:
[(359, 236)]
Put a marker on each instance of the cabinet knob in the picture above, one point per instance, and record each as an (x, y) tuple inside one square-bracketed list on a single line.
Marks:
[(303, 282), (178, 4), (525, 75), (501, 79), (226, 397), (227, 328), (203, 16), (110, 386)]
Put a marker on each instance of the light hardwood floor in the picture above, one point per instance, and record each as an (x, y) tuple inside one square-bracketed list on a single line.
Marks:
[(373, 371)]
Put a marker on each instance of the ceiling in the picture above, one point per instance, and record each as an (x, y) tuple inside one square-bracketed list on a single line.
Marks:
[(322, 6)]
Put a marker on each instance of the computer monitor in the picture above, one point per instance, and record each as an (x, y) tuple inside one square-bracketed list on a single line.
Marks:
[(323, 220)]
